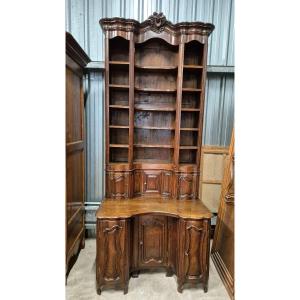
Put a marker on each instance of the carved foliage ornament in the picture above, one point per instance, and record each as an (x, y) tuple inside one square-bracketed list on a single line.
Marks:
[(157, 21)]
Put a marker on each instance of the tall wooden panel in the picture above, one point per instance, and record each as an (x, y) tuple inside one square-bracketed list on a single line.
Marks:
[(223, 244), (76, 59)]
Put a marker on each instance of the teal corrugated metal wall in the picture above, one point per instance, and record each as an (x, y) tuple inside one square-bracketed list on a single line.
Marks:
[(82, 21)]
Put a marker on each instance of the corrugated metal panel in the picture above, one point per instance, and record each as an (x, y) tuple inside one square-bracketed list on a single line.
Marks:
[(219, 109), (94, 124), (82, 20)]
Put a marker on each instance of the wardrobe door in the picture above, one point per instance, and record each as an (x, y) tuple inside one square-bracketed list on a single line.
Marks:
[(76, 59)]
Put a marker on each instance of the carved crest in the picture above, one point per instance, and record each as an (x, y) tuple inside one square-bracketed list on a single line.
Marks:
[(157, 21)]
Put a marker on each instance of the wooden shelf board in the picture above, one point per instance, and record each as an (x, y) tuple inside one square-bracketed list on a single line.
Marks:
[(188, 147), (119, 86), (119, 106), (154, 108), (118, 145), (155, 90), (152, 161), (153, 146), (191, 90), (118, 62), (189, 129), (118, 126), (162, 68), (153, 127), (190, 109), (193, 67)]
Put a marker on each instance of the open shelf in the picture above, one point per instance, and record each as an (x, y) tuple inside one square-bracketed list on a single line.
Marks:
[(191, 90), (118, 155), (158, 107), (118, 49), (139, 89), (118, 145), (189, 129), (151, 155), (152, 146), (154, 128), (155, 102), (156, 68), (119, 86), (189, 119), (118, 127), (193, 53), (190, 109), (192, 67), (187, 156), (119, 117), (154, 119), (118, 62), (119, 106), (152, 161), (188, 147)]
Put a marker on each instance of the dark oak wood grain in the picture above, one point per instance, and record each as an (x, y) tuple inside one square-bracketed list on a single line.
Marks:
[(155, 74), (76, 59)]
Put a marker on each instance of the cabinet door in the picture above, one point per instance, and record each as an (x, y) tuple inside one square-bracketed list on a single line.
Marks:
[(166, 184), (194, 251), (112, 253), (117, 185), (151, 182), (187, 186), (153, 241)]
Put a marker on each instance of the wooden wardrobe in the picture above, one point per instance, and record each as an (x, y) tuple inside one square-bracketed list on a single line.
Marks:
[(155, 75), (222, 252), (76, 60)]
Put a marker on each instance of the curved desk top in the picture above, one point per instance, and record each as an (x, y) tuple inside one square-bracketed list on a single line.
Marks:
[(186, 209)]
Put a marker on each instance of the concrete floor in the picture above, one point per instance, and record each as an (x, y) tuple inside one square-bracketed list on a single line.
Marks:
[(81, 283)]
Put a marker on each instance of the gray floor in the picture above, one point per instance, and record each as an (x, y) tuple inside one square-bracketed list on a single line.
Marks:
[(81, 283)]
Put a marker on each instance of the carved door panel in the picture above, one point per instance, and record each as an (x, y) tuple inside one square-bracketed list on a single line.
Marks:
[(166, 184), (187, 186), (151, 182), (138, 183), (117, 185), (153, 241), (112, 253), (194, 252)]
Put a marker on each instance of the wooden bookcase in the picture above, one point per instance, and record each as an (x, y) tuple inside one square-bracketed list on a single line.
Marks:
[(151, 217), (155, 87)]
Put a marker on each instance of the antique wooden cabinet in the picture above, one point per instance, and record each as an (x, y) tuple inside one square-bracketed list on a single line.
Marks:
[(155, 74), (223, 243), (76, 59)]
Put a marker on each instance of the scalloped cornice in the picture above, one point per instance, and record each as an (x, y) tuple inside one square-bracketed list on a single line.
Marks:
[(157, 23)]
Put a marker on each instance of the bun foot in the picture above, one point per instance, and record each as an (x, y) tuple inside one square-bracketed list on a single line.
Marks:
[(135, 274)]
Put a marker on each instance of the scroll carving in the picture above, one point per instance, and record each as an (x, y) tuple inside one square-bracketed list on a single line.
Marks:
[(157, 21)]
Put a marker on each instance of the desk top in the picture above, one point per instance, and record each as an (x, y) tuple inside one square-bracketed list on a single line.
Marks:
[(186, 209)]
